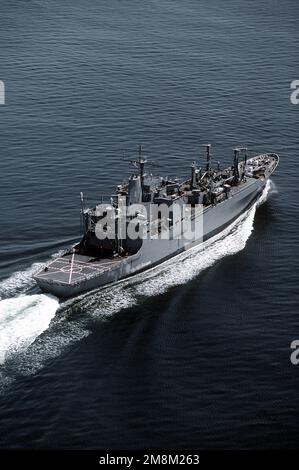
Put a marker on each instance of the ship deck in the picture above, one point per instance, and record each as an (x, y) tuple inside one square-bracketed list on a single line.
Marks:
[(69, 270)]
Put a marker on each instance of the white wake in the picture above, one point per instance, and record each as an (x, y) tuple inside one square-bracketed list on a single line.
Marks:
[(21, 281), (22, 320)]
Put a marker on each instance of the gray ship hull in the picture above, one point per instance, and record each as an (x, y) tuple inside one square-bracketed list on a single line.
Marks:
[(87, 276)]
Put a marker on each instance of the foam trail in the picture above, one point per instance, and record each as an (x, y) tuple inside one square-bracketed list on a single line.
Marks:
[(22, 320), (270, 188), (18, 282), (21, 281)]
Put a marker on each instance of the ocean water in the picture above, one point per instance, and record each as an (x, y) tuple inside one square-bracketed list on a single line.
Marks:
[(195, 353)]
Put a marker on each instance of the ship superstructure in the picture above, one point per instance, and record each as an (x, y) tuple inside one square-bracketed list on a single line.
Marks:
[(144, 222)]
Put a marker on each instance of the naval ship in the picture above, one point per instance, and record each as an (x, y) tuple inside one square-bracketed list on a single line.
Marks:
[(221, 194)]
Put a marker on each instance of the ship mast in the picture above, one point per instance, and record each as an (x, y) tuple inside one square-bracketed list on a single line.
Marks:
[(208, 154), (243, 166), (141, 164), (82, 212)]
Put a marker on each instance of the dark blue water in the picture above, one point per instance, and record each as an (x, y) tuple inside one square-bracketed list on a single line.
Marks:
[(195, 354)]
